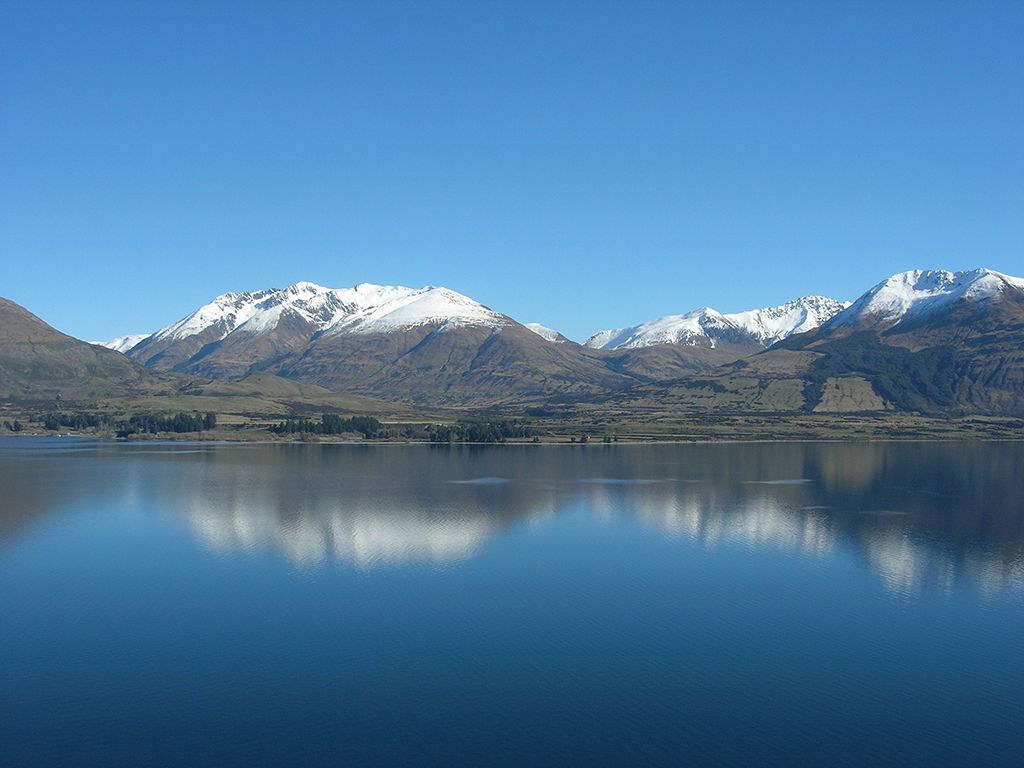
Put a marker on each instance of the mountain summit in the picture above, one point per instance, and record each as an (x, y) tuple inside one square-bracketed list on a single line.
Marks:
[(919, 294), (292, 316)]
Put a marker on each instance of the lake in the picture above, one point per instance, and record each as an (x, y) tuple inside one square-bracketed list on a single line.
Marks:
[(784, 604)]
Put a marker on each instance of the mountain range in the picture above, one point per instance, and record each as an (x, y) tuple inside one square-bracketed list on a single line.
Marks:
[(925, 341), (430, 345), (373, 309), (435, 346), (928, 341), (706, 328)]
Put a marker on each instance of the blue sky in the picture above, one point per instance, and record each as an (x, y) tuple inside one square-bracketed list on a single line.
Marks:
[(583, 165)]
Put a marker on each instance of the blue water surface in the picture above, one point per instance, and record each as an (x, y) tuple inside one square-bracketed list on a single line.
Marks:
[(746, 604)]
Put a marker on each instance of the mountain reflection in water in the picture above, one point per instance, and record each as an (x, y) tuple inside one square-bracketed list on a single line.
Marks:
[(937, 514)]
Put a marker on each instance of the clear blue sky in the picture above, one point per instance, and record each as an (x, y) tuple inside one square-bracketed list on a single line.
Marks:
[(584, 165)]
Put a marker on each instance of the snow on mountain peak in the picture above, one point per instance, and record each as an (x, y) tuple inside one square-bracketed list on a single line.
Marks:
[(773, 324), (364, 308), (920, 292), (367, 308), (409, 308), (549, 334), (706, 327), (122, 343), (688, 330)]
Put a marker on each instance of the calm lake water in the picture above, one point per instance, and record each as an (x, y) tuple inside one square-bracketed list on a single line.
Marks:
[(780, 604)]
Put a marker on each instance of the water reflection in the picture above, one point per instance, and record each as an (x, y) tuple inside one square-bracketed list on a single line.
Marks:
[(759, 521), (919, 514), (362, 534)]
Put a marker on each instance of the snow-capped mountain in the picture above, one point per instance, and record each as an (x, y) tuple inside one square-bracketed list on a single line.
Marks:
[(123, 343), (920, 293), (429, 344), (550, 334), (926, 342), (773, 324), (707, 328), (363, 309)]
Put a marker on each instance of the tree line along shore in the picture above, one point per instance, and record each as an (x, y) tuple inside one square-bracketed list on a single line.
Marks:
[(571, 426)]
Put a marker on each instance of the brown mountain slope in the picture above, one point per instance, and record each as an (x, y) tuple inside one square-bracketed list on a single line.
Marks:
[(476, 365), (206, 354), (434, 363), (38, 362)]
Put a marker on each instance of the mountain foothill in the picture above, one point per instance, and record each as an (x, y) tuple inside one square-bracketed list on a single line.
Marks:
[(930, 342), (39, 363)]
